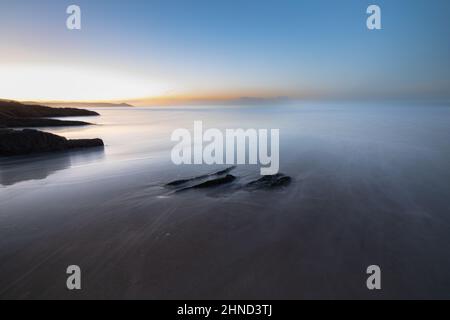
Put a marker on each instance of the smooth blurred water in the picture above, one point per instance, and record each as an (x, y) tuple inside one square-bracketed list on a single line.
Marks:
[(370, 186)]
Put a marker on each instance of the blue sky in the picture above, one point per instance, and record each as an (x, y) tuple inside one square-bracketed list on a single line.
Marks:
[(237, 48)]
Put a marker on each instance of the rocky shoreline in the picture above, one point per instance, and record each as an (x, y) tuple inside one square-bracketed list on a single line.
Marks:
[(27, 141)]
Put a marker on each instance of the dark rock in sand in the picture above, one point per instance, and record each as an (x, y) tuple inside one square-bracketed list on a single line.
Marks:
[(22, 142), (223, 177), (206, 176), (270, 182), (216, 182)]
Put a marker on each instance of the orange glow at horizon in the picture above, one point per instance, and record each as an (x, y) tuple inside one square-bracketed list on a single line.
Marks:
[(50, 83)]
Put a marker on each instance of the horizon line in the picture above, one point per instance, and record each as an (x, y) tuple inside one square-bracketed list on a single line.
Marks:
[(239, 100)]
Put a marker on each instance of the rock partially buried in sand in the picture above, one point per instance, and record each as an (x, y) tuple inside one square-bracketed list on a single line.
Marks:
[(206, 176), (215, 182), (223, 178), (269, 182), (27, 141)]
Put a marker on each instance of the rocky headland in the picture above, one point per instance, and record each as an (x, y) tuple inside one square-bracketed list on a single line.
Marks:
[(14, 114)]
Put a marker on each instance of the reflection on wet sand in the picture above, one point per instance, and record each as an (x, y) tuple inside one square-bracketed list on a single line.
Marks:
[(368, 185), (19, 169)]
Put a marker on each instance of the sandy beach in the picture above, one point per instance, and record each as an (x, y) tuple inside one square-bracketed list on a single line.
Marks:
[(370, 189)]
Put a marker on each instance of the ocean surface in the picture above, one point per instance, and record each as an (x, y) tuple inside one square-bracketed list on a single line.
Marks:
[(370, 186)]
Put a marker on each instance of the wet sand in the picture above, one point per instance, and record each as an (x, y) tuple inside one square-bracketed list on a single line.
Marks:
[(369, 186)]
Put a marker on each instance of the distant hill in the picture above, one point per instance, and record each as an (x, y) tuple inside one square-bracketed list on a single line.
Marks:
[(79, 104)]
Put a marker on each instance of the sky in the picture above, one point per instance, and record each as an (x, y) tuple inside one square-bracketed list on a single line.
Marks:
[(177, 51)]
